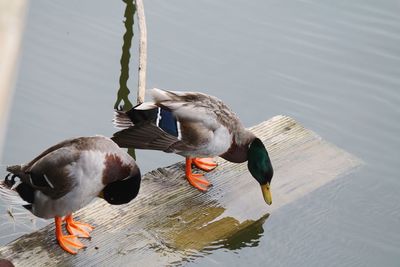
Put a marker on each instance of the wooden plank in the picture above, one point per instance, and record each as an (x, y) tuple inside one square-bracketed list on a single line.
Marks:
[(171, 221), (12, 14)]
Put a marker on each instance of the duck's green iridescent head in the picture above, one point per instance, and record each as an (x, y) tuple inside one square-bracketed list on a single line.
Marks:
[(260, 167)]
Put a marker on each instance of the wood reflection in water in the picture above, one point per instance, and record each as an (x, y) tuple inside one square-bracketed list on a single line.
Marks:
[(123, 91)]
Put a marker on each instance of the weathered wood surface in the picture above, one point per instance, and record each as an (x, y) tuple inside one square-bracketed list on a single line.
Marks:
[(170, 221), (12, 15)]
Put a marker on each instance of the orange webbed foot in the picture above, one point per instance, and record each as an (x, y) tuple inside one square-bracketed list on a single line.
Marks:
[(196, 180), (205, 164), (69, 243), (78, 229)]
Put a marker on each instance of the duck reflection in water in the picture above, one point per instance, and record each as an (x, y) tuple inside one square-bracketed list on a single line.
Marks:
[(192, 231)]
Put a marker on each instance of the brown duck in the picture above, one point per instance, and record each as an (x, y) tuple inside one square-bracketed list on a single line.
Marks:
[(67, 176)]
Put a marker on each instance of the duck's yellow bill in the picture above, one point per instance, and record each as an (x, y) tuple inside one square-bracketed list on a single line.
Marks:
[(101, 194), (266, 194)]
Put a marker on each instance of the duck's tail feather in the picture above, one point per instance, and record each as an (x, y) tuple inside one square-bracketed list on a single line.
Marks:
[(15, 169), (141, 113), (121, 120), (16, 191)]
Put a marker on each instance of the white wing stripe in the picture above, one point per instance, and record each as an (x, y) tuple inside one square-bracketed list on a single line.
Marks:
[(178, 126), (48, 181), (158, 116)]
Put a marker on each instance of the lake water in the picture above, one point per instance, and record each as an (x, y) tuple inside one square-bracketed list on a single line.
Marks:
[(332, 65)]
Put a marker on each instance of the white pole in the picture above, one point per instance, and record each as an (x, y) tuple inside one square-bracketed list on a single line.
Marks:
[(142, 51)]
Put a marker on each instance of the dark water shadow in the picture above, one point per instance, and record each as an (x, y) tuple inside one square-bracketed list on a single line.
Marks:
[(123, 91)]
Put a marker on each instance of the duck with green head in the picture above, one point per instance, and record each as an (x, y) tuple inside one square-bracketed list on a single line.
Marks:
[(196, 126)]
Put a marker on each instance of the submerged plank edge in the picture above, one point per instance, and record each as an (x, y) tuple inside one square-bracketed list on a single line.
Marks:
[(170, 222)]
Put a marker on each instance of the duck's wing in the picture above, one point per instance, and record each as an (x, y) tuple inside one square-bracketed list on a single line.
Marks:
[(51, 175), (174, 122), (48, 172), (149, 136), (190, 107)]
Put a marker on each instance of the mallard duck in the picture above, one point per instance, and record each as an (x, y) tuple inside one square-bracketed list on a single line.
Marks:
[(67, 176), (196, 126)]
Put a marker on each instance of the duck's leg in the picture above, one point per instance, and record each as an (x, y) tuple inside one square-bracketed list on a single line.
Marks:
[(196, 180), (78, 229), (205, 164), (69, 243)]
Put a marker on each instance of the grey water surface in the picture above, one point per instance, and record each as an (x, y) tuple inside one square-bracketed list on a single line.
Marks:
[(332, 65)]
